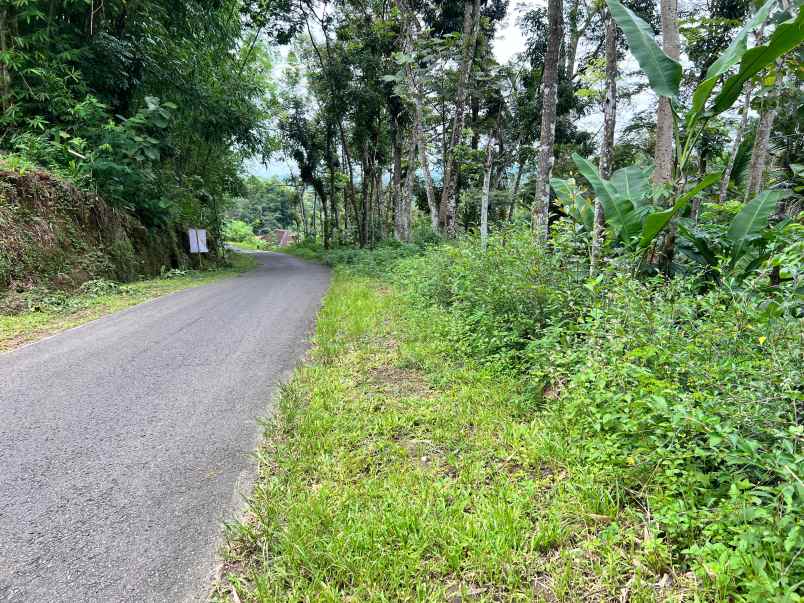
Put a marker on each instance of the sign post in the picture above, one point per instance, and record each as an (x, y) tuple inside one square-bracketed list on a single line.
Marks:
[(198, 242)]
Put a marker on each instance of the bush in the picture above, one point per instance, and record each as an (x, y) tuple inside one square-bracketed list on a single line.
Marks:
[(376, 262), (240, 233), (685, 404), (237, 231)]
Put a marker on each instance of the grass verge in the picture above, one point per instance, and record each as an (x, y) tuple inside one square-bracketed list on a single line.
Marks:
[(254, 244), (51, 312), (393, 472)]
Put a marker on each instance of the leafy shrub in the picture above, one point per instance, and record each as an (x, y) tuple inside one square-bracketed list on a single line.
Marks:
[(99, 287), (504, 298), (376, 262), (685, 404), (237, 231)]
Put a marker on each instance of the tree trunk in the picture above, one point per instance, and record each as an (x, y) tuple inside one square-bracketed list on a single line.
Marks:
[(412, 32), (425, 163), (759, 152), (738, 135), (305, 228), (484, 203), (397, 184), (574, 40), (403, 216), (5, 79), (663, 155), (541, 205), (312, 218), (471, 24), (515, 190), (348, 160), (607, 148)]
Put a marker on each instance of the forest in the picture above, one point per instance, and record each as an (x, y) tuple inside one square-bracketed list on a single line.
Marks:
[(572, 278)]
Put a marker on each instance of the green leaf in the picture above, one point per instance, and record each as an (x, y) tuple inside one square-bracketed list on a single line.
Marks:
[(563, 190), (576, 206), (619, 212), (706, 253), (603, 188), (786, 37), (656, 222), (664, 73), (151, 153), (632, 182), (752, 219), (730, 57)]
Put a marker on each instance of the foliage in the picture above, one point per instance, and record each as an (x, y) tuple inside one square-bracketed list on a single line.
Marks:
[(637, 224), (499, 412), (153, 105), (265, 204), (685, 401)]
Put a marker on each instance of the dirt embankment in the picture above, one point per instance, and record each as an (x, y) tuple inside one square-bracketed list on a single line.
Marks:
[(54, 235)]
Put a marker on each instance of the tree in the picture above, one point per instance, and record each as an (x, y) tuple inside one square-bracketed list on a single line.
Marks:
[(663, 154), (607, 148), (541, 205), (471, 25)]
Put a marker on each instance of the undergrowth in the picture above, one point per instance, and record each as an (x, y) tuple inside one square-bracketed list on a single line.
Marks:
[(496, 426)]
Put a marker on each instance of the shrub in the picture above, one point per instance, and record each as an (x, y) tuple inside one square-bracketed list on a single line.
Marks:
[(237, 231), (685, 404)]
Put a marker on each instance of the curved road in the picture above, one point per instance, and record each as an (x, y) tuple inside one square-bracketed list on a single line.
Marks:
[(124, 443)]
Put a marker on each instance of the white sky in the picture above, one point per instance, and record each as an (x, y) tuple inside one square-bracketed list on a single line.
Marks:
[(509, 39)]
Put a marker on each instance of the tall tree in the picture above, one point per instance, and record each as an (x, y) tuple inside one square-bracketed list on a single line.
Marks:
[(607, 148), (484, 201), (664, 158), (541, 205), (663, 154), (471, 25)]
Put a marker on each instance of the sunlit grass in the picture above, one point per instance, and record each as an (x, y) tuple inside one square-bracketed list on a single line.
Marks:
[(393, 474)]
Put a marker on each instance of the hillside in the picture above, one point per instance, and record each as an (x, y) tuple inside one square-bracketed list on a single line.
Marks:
[(55, 235)]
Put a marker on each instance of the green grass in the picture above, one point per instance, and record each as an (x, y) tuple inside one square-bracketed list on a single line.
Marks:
[(393, 472), (52, 312), (254, 244)]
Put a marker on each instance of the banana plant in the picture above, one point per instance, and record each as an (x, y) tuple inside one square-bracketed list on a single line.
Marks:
[(636, 225), (630, 202), (664, 74), (746, 244)]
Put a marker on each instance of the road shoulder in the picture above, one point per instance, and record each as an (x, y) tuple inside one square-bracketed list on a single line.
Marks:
[(55, 312)]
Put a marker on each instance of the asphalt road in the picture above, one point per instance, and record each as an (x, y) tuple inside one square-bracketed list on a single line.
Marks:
[(126, 442)]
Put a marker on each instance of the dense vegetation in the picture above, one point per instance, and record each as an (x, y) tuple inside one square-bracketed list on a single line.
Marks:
[(588, 259), (498, 426), (153, 105), (598, 372)]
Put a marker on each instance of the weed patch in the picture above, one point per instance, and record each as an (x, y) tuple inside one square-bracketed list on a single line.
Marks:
[(396, 471)]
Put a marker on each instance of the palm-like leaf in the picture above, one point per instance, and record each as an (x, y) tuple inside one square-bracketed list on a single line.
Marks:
[(730, 57), (664, 73), (786, 37), (632, 183), (747, 225)]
